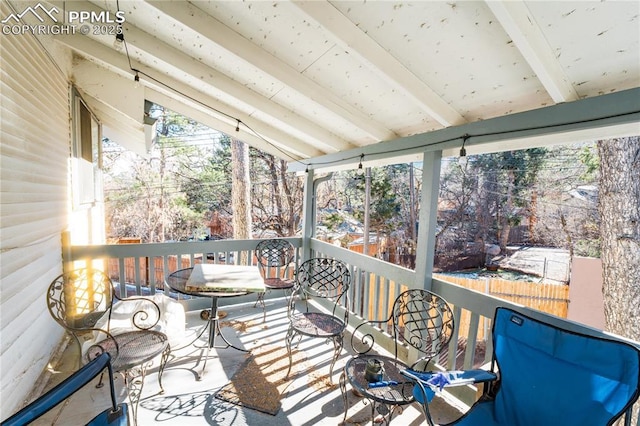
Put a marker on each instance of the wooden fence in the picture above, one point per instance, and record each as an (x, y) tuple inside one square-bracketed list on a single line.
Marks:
[(155, 275), (549, 298)]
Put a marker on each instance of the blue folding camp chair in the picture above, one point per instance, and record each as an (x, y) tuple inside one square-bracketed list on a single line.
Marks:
[(554, 377), (115, 415)]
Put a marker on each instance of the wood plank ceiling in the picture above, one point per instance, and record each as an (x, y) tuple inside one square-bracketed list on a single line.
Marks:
[(305, 79)]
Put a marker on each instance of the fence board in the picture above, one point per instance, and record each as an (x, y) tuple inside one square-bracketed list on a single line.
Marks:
[(549, 298)]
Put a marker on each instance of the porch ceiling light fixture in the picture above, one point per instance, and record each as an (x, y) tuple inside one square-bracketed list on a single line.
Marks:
[(462, 159), (119, 41)]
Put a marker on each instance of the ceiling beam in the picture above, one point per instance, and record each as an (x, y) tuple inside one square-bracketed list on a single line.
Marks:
[(116, 102), (276, 113), (527, 36), (114, 90), (206, 119), (235, 44), (359, 44), (118, 63), (117, 128), (601, 117)]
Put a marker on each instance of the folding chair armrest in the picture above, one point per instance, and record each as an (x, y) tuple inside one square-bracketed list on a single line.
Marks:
[(427, 383), (450, 377)]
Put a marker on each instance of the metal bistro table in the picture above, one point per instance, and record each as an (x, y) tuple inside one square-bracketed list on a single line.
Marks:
[(216, 281)]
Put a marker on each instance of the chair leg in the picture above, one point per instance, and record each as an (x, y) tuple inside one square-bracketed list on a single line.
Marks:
[(260, 301), (373, 413), (134, 382), (289, 341), (287, 294), (345, 399), (100, 382), (163, 363), (337, 348)]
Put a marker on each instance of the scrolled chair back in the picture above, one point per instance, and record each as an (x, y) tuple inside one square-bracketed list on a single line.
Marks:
[(274, 253), (423, 320), (323, 277), (83, 300), (76, 300), (419, 318)]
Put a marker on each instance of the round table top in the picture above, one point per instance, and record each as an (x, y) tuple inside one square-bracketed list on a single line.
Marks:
[(177, 281), (133, 348), (398, 394)]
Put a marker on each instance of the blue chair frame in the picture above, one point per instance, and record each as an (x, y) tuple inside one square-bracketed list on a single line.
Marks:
[(116, 415), (554, 377)]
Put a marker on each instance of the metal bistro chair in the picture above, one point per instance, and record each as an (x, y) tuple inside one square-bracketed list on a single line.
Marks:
[(115, 415), (552, 376), (82, 300), (319, 278), (274, 256), (418, 318)]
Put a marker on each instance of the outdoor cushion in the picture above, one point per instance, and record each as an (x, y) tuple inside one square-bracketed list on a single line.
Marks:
[(172, 319)]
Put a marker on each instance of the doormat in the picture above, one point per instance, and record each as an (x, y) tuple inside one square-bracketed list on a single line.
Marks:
[(260, 382)]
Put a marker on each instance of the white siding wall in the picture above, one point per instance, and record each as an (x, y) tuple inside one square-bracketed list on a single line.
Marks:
[(34, 156)]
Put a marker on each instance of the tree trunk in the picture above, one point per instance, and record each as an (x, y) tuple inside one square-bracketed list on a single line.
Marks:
[(619, 208), (240, 194), (504, 225), (290, 221)]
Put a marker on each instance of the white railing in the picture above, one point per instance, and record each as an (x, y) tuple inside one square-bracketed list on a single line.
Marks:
[(375, 284), (143, 268)]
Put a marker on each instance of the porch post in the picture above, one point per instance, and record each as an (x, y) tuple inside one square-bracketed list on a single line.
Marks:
[(67, 261), (425, 250), (308, 215)]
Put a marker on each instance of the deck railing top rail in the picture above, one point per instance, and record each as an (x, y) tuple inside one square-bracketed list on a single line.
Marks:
[(375, 281)]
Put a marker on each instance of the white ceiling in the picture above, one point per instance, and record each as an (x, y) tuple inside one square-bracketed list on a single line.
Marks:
[(308, 79)]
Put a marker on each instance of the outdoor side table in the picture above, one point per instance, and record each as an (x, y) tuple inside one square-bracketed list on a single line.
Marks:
[(380, 397), (216, 281)]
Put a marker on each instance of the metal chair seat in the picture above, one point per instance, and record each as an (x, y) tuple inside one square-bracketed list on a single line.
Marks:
[(278, 283), (130, 349), (317, 324)]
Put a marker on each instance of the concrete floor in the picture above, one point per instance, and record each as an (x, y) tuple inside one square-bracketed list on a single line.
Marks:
[(310, 398)]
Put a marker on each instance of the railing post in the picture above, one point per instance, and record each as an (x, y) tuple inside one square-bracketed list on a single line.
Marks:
[(308, 216), (67, 260), (309, 212), (426, 246)]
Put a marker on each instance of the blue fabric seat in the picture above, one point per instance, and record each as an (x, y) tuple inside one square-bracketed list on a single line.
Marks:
[(551, 376)]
